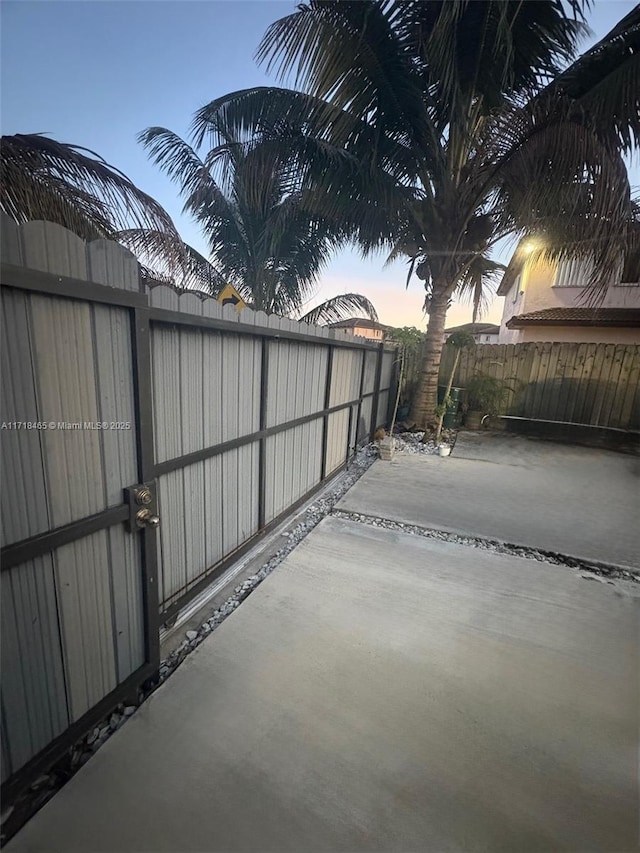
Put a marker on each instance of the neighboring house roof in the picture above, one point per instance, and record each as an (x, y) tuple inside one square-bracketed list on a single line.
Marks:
[(475, 329), (617, 317), (360, 322)]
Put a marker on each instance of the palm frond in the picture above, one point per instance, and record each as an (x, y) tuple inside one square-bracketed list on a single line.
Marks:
[(41, 178), (179, 264), (603, 85), (479, 284), (340, 307)]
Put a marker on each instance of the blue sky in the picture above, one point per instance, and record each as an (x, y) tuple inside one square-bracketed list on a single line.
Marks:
[(97, 73)]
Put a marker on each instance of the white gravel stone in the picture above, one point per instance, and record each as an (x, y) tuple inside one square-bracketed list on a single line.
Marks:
[(412, 443)]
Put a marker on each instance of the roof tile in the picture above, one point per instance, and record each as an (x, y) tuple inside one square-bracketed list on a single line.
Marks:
[(620, 317)]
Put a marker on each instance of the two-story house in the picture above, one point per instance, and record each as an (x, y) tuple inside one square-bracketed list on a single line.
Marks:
[(544, 301), (362, 327), (483, 333)]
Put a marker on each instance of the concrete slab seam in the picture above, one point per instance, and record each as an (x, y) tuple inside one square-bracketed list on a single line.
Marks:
[(609, 570)]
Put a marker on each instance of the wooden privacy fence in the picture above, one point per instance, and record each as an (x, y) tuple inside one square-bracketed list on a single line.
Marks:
[(121, 408), (592, 384)]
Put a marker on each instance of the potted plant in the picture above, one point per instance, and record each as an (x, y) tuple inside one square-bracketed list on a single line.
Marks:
[(485, 395)]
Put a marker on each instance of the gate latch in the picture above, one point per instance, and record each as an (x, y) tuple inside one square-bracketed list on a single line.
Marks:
[(142, 506)]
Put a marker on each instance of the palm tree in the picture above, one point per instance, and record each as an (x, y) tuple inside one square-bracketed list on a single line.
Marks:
[(261, 235), (450, 126), (42, 178)]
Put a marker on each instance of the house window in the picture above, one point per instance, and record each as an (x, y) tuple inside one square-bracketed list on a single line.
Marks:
[(516, 288), (631, 268), (487, 338), (573, 273)]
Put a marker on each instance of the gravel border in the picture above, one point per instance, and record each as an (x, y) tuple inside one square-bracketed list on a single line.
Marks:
[(542, 556), (415, 443)]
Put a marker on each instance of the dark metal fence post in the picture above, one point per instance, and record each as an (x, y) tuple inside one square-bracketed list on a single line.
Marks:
[(349, 428), (325, 420), (264, 382), (376, 396), (146, 453), (359, 412)]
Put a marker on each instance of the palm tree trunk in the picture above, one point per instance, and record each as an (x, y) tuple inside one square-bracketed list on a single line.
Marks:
[(423, 409)]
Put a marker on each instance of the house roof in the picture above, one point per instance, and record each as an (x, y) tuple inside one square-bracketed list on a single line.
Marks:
[(618, 317), (475, 329), (507, 280), (354, 322)]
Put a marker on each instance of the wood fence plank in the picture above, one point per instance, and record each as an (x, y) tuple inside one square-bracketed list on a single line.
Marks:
[(598, 417), (566, 353), (537, 373), (625, 356), (529, 368), (629, 415), (587, 392), (553, 381), (553, 376)]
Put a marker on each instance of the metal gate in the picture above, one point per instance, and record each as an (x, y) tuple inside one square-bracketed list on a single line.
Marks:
[(79, 582), (122, 410)]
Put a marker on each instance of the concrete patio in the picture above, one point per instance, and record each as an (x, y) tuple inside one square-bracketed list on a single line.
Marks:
[(579, 501), (385, 692)]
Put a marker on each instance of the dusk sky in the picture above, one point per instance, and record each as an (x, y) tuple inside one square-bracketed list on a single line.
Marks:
[(97, 73)]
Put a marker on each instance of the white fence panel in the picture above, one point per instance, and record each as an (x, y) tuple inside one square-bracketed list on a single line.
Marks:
[(337, 440), (296, 380), (345, 376), (293, 466), (211, 508)]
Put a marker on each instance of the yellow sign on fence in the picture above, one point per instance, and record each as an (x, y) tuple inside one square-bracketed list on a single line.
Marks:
[(230, 296)]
